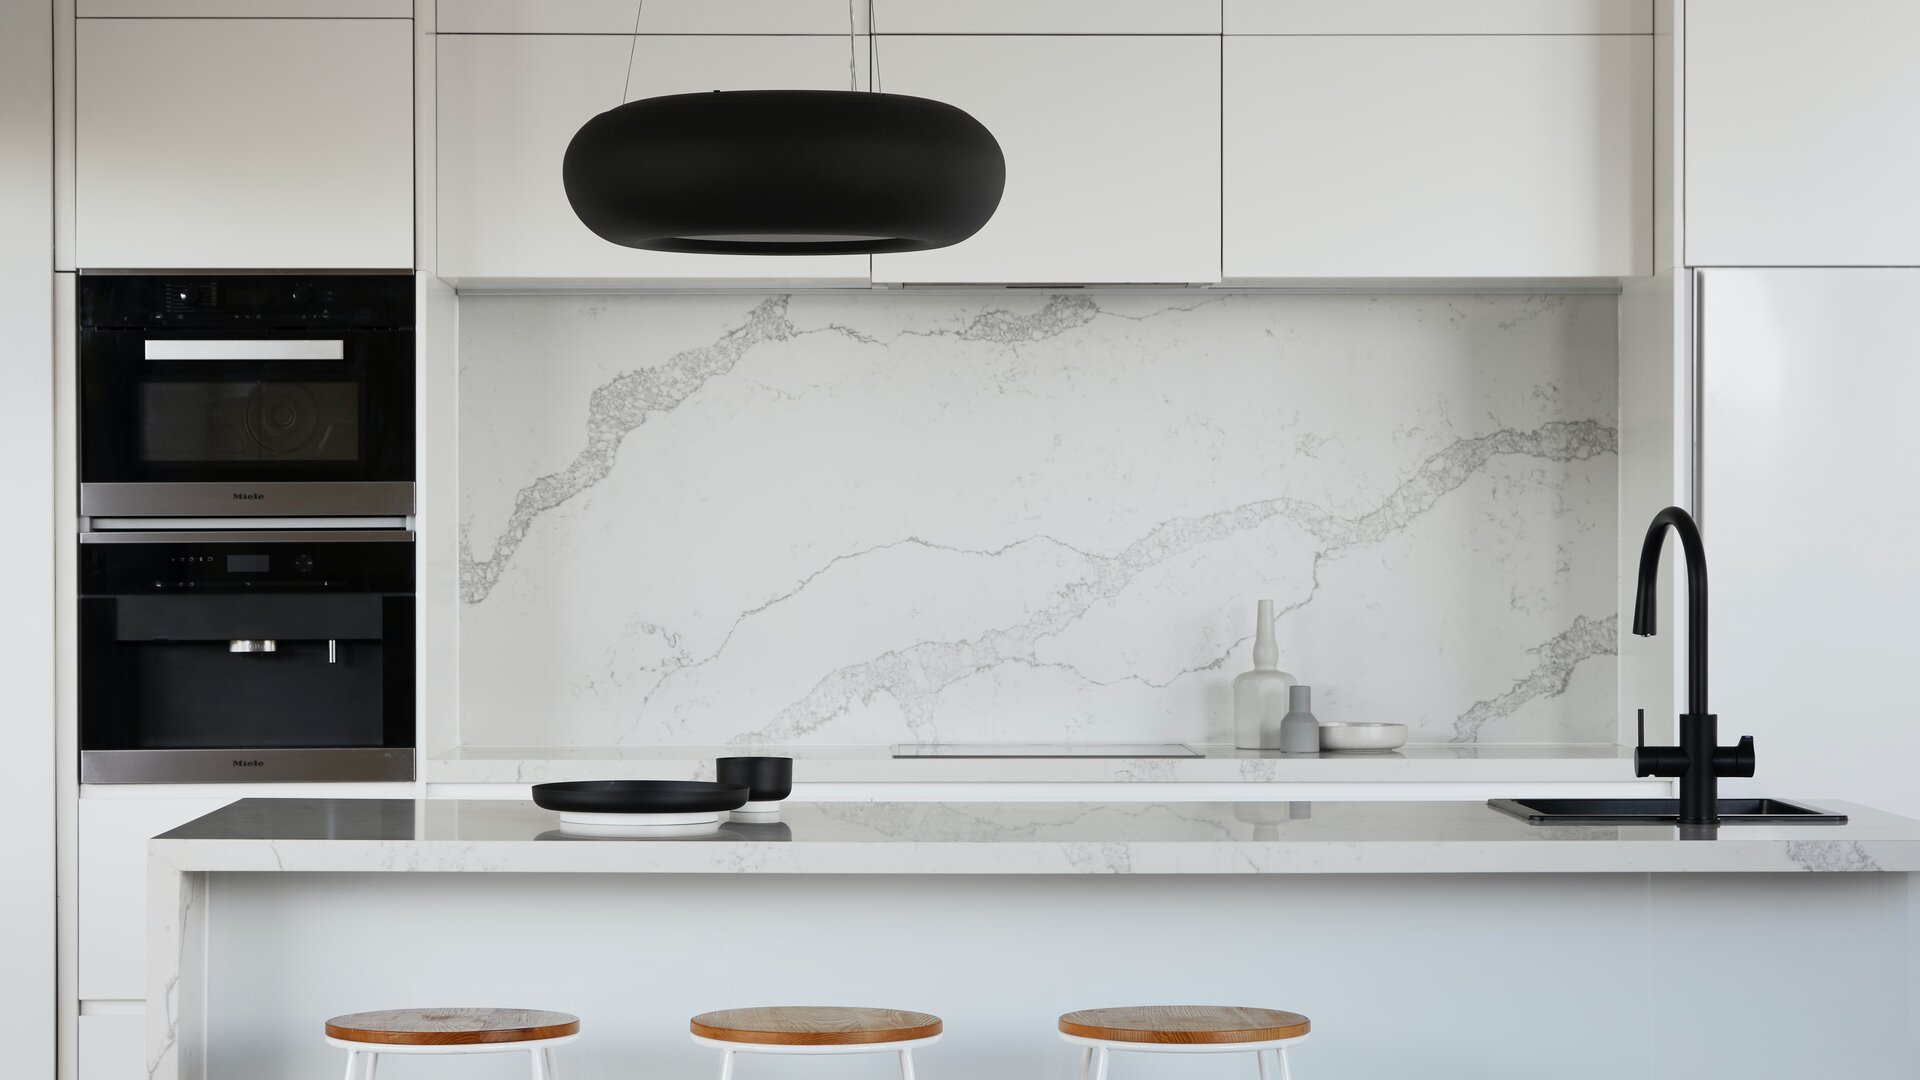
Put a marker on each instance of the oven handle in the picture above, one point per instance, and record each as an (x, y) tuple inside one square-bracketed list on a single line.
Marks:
[(246, 349), (253, 536)]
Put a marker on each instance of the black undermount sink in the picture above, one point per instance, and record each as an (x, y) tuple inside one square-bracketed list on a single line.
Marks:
[(1660, 812)]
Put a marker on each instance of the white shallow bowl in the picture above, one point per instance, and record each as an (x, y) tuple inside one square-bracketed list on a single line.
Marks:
[(1366, 737)]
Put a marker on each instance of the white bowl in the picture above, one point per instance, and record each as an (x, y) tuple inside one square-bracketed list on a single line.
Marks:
[(1368, 737)]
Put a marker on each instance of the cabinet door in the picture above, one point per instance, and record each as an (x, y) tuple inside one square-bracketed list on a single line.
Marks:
[(1428, 17), (1049, 17), (510, 104), (244, 143), (1807, 383), (245, 9), (1800, 133), (111, 1047), (111, 891), (1113, 156), (658, 16), (1446, 156)]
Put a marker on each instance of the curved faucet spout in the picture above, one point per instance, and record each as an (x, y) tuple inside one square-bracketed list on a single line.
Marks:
[(1644, 604)]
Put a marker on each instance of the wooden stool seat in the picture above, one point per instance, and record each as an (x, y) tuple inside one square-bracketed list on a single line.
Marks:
[(1166, 1024), (451, 1027), (814, 1025)]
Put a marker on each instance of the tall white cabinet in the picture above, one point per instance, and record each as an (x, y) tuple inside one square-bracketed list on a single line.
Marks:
[(1800, 122), (1808, 380), (222, 143)]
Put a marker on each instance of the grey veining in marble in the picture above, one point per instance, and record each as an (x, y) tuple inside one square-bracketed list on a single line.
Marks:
[(1044, 518)]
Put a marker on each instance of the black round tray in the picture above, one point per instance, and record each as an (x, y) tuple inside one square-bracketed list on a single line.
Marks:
[(639, 796)]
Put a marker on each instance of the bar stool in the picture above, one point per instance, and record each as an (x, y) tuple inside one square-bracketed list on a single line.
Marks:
[(367, 1035), (1184, 1029), (815, 1029)]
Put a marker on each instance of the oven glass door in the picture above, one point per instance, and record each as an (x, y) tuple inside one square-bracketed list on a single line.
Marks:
[(241, 409)]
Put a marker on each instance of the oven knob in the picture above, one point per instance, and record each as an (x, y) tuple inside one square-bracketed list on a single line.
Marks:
[(301, 294), (303, 563)]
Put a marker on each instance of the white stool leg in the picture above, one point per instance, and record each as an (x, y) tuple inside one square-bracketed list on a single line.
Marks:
[(1100, 1064), (537, 1061), (359, 1064), (373, 1067), (1281, 1055), (906, 1065), (1086, 1063), (1261, 1057), (726, 1065)]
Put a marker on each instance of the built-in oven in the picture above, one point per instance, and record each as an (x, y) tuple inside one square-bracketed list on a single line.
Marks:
[(272, 655), (246, 395)]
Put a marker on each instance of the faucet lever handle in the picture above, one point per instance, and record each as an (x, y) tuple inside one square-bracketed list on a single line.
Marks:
[(1641, 739)]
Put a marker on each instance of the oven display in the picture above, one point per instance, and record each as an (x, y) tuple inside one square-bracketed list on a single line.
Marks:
[(247, 564)]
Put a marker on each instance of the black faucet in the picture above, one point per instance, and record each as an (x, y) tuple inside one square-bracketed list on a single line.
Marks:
[(1699, 761)]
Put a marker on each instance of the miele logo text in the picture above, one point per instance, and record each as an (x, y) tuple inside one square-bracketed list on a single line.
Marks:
[(240, 763), (248, 495)]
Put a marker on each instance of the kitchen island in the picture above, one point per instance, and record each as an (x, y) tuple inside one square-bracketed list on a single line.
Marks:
[(1434, 939)]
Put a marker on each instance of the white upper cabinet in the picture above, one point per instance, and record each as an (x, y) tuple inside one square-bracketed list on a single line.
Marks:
[(244, 143), (245, 9), (1437, 17), (1046, 16), (509, 104), (1438, 156), (658, 16), (1113, 153), (1800, 133), (818, 16)]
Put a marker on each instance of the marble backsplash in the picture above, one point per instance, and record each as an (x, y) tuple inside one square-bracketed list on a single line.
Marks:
[(1032, 517)]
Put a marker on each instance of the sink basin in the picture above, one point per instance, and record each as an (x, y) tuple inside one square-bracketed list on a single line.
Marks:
[(1660, 812)]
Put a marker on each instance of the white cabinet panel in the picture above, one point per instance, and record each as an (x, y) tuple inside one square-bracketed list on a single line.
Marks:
[(659, 16), (825, 16), (1808, 380), (1800, 147), (111, 1047), (1431, 17), (244, 143), (1112, 147), (1046, 17), (246, 9), (1516, 156), (510, 104), (111, 916)]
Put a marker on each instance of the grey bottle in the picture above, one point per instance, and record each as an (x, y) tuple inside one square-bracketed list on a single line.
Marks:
[(1299, 731)]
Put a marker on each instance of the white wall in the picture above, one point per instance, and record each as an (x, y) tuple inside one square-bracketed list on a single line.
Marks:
[(26, 543), (1032, 517)]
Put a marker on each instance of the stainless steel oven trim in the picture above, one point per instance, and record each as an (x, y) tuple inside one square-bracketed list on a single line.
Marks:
[(247, 765), (253, 536), (245, 348), (370, 498)]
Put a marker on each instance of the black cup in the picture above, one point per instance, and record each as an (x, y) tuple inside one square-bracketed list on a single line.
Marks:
[(771, 778)]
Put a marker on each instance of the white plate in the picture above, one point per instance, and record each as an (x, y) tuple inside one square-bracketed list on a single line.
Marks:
[(1374, 737), (641, 821)]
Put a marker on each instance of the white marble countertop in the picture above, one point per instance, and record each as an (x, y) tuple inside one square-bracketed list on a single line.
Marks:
[(1017, 838), (1204, 763)]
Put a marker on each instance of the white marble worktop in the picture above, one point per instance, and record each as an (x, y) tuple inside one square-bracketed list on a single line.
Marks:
[(1016, 838), (1042, 763)]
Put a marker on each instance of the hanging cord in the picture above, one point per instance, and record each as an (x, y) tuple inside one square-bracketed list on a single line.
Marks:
[(873, 49), (633, 43), (853, 51)]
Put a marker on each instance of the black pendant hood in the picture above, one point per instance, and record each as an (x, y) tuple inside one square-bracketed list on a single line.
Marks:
[(784, 172)]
